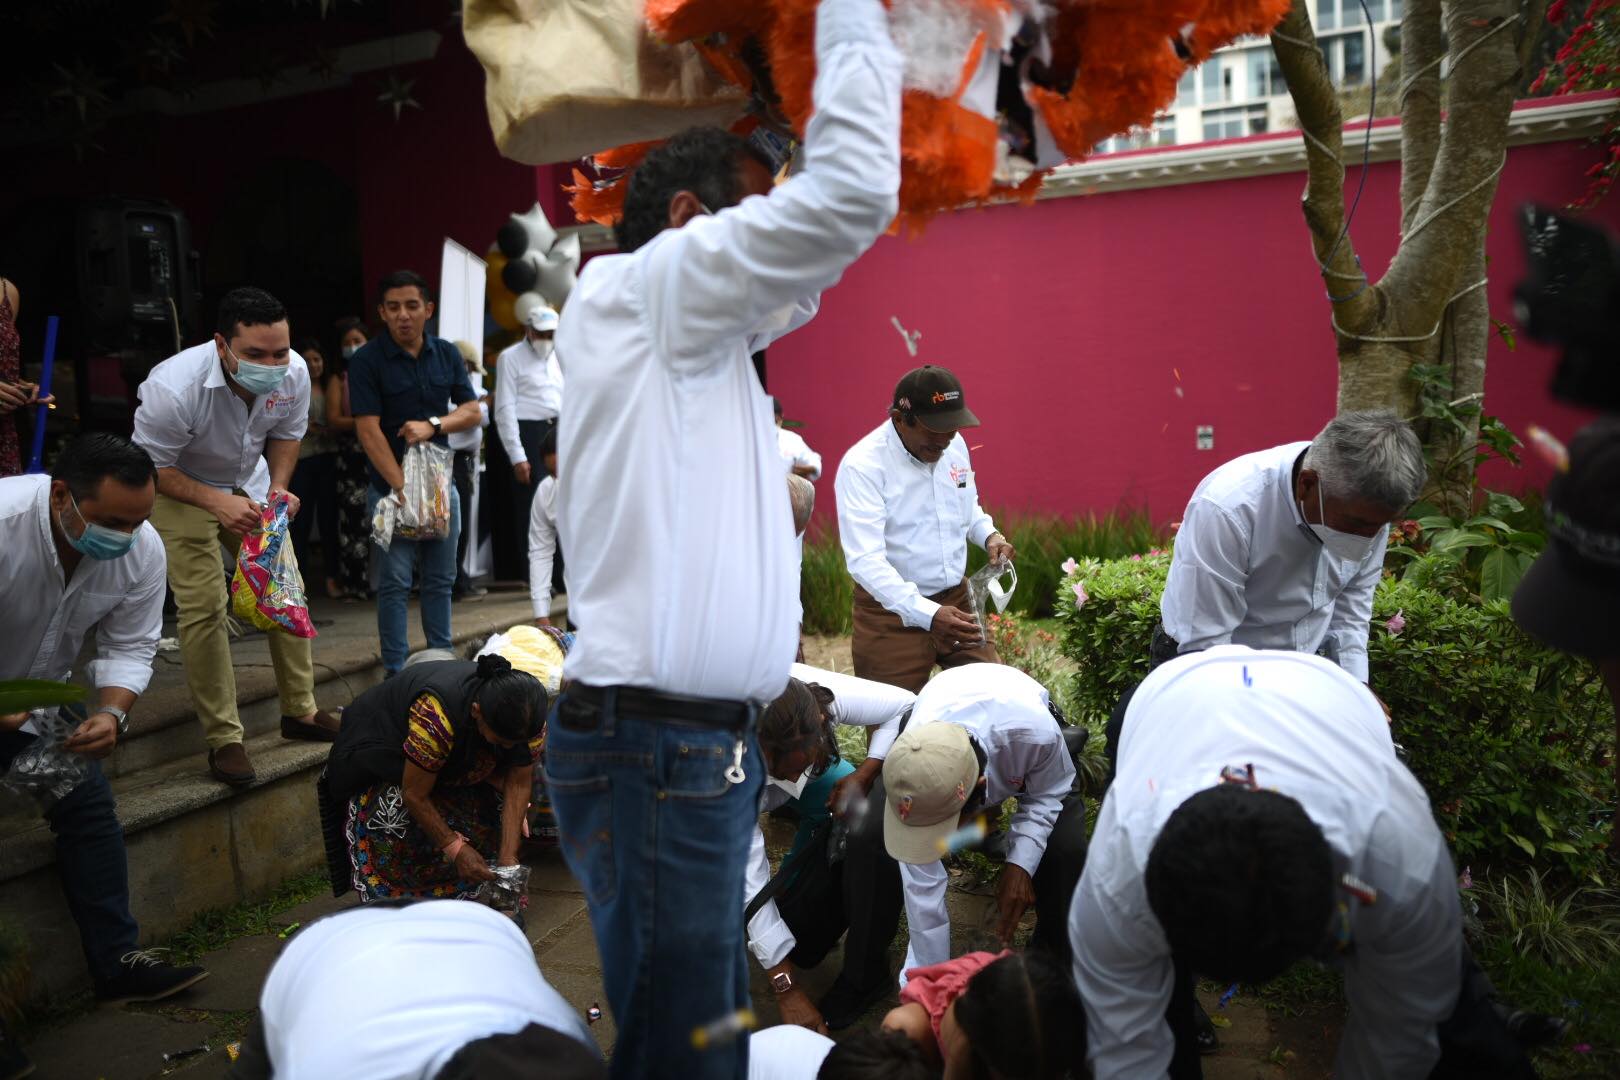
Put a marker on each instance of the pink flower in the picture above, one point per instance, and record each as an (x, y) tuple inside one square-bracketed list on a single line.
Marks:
[(1069, 566), (1155, 551), (1466, 881), (1395, 623), (1080, 596), (1136, 558)]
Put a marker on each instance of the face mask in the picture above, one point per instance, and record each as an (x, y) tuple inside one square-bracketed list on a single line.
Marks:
[(793, 787), (349, 351), (257, 379), (97, 541), (1341, 545)]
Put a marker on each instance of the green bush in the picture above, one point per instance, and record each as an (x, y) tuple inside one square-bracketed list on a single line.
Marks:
[(1043, 544), (1509, 739)]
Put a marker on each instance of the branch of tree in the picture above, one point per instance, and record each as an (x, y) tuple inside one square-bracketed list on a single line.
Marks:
[(1535, 25), (1316, 103), (1422, 46), (1445, 234)]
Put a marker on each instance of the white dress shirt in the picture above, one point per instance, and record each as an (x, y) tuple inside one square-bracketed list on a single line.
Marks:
[(47, 618), (787, 1052), (673, 511), (860, 703), (405, 1025), (190, 419), (1006, 713), (542, 545), (1315, 734), (1245, 571), (528, 386), (904, 524), (470, 439), (795, 451)]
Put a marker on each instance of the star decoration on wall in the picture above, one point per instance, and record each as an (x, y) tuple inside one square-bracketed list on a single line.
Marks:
[(323, 63), (81, 86), (157, 55), (195, 18), (398, 94)]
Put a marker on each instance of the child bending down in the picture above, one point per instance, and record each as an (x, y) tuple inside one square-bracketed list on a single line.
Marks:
[(1012, 1016)]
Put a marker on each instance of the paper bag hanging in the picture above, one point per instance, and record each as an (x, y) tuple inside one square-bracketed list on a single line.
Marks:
[(567, 78)]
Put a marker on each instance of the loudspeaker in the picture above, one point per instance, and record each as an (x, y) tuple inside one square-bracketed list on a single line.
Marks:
[(137, 274)]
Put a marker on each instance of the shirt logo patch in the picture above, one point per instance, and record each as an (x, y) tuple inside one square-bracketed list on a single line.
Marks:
[(278, 404), (903, 810), (960, 474), (942, 396)]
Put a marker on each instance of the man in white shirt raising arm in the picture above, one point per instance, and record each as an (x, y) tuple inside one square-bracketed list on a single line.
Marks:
[(76, 556), (675, 519), (1259, 816), (907, 507)]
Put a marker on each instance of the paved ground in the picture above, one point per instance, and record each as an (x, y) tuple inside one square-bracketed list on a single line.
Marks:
[(129, 1043)]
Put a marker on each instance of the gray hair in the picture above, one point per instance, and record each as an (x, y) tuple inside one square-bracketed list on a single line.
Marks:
[(802, 494), (1369, 454)]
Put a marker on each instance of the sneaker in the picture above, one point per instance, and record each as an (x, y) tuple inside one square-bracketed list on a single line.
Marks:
[(14, 1064), (142, 976), (229, 764), (470, 595), (844, 1004)]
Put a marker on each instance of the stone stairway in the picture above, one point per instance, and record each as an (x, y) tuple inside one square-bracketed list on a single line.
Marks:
[(193, 842)]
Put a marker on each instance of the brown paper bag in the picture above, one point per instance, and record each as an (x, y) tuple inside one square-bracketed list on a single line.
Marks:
[(568, 78)]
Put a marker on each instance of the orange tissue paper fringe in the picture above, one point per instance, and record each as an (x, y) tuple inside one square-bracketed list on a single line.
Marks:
[(1117, 59)]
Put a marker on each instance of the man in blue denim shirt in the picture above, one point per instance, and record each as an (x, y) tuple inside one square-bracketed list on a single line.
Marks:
[(408, 387)]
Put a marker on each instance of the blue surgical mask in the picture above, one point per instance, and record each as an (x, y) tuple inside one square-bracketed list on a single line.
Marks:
[(257, 379), (97, 541)]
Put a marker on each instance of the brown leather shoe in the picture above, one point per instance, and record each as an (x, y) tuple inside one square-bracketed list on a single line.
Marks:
[(230, 765), (323, 728)]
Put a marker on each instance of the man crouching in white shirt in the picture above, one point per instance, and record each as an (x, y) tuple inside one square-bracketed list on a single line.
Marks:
[(979, 735), (674, 517), (77, 555), (1258, 817)]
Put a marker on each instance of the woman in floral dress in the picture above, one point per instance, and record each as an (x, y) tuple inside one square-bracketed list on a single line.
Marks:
[(354, 530), (429, 779)]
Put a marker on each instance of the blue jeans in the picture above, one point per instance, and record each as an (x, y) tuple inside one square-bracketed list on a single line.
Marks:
[(91, 863), (658, 838), (394, 588)]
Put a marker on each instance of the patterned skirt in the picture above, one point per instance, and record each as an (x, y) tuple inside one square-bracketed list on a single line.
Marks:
[(353, 570), (391, 858)]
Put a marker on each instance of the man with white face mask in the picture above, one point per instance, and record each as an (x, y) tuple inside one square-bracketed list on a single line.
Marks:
[(528, 397), (1281, 549), (222, 422)]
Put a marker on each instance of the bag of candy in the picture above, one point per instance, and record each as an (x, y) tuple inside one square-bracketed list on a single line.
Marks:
[(267, 588), (425, 513)]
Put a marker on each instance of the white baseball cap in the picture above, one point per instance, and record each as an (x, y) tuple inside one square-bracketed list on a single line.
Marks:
[(542, 319)]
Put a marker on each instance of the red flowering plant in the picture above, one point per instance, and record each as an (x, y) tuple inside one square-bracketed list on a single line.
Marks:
[(1588, 60)]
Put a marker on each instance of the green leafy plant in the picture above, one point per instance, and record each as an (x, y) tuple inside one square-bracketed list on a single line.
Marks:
[(1577, 926), (1511, 740), (1490, 553)]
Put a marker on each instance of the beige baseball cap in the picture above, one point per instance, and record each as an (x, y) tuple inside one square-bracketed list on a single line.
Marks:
[(929, 774)]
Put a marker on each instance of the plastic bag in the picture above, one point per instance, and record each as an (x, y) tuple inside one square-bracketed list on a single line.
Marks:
[(44, 769), (509, 892), (425, 512), (985, 586), (267, 588)]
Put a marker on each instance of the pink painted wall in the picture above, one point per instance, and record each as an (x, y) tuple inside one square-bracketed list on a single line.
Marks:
[(1067, 322)]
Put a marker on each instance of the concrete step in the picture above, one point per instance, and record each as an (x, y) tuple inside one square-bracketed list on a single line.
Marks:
[(193, 842)]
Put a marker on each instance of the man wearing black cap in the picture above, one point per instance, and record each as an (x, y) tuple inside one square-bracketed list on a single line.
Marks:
[(907, 507), (1570, 598)]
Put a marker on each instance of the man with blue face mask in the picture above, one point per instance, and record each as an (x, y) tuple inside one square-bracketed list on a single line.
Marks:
[(1281, 549), (78, 558), (222, 422)]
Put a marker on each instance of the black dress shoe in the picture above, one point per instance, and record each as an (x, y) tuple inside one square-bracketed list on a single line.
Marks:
[(143, 977), (844, 1004), (1204, 1030), (14, 1064)]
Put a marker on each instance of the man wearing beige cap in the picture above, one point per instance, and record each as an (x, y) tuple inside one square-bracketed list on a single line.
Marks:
[(981, 734)]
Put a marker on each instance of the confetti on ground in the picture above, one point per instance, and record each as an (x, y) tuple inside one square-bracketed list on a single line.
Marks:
[(1221, 1021), (233, 1050), (285, 934), (593, 1014), (724, 1030), (1231, 992)]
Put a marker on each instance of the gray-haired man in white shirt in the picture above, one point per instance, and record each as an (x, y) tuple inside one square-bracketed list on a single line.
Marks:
[(908, 505), (674, 516)]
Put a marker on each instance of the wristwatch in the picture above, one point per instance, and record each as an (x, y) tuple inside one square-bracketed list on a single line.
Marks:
[(438, 424), (781, 982), (117, 714)]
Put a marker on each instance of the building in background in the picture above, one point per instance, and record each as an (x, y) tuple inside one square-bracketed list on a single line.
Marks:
[(1240, 91)]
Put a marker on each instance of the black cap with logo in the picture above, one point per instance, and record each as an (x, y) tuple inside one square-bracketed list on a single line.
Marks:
[(934, 396), (1570, 598)]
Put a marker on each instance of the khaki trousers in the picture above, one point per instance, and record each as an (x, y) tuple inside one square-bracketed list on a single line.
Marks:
[(886, 650), (191, 539)]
